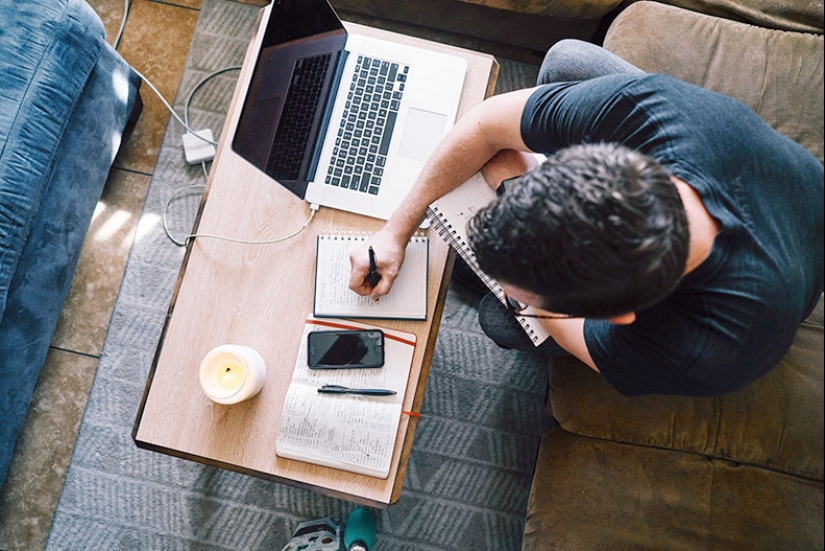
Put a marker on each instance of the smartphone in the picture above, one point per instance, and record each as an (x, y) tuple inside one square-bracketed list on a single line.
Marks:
[(345, 349)]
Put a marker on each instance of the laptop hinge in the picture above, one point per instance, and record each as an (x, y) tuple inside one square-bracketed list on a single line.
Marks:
[(327, 114)]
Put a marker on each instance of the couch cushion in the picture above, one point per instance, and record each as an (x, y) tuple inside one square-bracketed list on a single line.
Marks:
[(776, 422), (778, 74), (785, 15), (589, 493)]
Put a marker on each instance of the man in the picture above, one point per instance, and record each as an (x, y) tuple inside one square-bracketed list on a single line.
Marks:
[(672, 241)]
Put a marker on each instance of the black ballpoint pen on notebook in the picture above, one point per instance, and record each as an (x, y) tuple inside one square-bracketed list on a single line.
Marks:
[(338, 389), (373, 272)]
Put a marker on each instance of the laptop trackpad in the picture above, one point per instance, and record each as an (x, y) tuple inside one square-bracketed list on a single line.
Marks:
[(422, 133)]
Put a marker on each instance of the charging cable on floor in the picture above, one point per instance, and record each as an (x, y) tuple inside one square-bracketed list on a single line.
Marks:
[(193, 141), (169, 107), (116, 42)]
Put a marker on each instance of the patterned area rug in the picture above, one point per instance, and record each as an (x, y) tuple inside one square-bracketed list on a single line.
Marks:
[(474, 450)]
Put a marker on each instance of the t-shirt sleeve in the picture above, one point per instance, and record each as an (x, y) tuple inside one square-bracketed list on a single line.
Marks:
[(635, 364), (692, 344), (562, 114)]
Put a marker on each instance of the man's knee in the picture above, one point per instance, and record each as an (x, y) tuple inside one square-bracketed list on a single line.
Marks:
[(571, 60), (562, 61)]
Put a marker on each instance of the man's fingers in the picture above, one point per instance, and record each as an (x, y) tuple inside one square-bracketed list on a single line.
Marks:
[(383, 287), (359, 278)]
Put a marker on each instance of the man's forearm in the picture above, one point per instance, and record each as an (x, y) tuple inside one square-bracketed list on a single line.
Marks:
[(471, 143)]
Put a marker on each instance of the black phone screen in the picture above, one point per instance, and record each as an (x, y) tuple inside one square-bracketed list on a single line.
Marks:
[(345, 349)]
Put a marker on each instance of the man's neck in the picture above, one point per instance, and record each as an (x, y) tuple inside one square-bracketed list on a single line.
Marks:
[(703, 227)]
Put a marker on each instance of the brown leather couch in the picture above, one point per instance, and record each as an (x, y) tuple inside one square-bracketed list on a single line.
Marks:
[(742, 471)]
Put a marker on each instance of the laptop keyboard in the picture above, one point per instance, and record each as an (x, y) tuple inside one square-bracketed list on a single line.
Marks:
[(365, 129), (293, 135)]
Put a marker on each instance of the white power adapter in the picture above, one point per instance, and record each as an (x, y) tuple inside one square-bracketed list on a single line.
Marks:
[(198, 150)]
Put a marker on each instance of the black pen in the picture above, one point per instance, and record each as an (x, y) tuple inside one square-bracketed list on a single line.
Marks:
[(338, 389), (373, 271)]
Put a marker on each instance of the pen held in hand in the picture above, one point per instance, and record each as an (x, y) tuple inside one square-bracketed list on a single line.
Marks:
[(374, 277), (338, 389)]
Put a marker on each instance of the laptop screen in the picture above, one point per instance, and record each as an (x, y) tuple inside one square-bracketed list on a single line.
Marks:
[(282, 115), (292, 20)]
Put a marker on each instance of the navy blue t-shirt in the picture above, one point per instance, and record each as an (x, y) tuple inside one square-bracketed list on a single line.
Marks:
[(735, 316)]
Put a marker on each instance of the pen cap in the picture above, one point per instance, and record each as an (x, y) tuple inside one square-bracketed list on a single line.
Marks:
[(359, 532)]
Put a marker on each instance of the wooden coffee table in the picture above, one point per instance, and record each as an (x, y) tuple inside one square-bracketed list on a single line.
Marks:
[(260, 295)]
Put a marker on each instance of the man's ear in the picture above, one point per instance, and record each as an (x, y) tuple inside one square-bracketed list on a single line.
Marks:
[(624, 319)]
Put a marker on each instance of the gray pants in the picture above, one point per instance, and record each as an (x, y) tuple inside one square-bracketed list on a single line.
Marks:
[(571, 60), (567, 61)]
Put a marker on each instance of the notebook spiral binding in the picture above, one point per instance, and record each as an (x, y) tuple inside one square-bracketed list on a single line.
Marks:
[(353, 235), (444, 228)]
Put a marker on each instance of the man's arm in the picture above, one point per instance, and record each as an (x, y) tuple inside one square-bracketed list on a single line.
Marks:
[(476, 138), (569, 334)]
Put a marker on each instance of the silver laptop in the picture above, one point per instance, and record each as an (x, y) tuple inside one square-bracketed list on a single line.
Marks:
[(344, 121)]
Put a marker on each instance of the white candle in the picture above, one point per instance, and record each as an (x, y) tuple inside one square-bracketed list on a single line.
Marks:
[(232, 373)]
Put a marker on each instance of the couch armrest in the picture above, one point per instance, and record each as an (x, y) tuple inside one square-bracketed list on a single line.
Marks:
[(787, 15)]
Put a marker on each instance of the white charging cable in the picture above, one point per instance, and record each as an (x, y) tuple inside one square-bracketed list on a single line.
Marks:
[(313, 209)]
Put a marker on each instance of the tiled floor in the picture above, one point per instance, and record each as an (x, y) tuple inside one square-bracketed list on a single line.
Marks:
[(156, 42)]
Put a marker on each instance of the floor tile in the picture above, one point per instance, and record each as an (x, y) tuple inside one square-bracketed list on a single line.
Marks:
[(88, 308), (41, 458)]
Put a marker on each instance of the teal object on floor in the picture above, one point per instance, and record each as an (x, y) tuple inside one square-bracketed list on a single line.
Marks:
[(359, 531)]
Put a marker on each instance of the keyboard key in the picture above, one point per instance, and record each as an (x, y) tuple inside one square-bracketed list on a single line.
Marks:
[(385, 141)]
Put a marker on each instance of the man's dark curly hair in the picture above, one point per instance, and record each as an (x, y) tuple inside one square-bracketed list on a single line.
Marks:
[(597, 230)]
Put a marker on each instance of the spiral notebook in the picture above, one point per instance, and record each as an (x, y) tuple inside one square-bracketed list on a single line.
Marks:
[(333, 298), (450, 215)]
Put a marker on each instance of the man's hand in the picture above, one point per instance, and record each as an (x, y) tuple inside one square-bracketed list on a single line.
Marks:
[(389, 251)]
